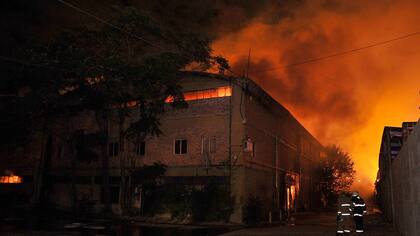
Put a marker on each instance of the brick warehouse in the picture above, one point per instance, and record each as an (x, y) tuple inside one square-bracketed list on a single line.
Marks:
[(232, 133)]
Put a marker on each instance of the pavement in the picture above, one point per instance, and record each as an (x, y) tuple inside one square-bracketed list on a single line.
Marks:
[(301, 224), (317, 224)]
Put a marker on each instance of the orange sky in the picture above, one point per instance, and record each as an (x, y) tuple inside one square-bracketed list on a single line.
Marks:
[(347, 99)]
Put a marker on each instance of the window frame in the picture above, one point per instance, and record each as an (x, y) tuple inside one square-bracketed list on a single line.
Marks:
[(113, 149), (140, 149), (179, 146)]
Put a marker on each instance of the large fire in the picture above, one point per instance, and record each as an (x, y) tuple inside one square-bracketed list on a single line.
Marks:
[(345, 99)]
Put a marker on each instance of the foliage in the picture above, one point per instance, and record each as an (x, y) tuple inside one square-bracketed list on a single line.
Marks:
[(167, 198), (148, 175), (101, 69), (87, 145), (253, 210), (204, 203), (337, 172), (211, 203), (98, 68)]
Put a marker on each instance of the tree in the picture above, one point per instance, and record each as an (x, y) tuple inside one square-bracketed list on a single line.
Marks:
[(337, 173), (144, 179), (104, 70)]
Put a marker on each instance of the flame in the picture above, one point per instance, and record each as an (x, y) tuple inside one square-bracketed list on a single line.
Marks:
[(346, 99), (10, 179)]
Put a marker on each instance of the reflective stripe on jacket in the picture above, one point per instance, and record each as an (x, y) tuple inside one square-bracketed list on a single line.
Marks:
[(344, 206), (359, 206)]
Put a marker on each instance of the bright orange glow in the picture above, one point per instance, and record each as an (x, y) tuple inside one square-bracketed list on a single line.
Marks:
[(225, 91), (345, 100), (10, 179)]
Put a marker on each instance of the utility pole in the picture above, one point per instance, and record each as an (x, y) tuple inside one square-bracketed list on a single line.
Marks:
[(248, 63)]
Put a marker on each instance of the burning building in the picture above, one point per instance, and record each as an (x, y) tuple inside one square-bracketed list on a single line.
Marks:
[(232, 134)]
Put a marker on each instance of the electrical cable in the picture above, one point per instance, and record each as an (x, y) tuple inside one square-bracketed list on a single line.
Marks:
[(107, 23), (119, 28), (338, 53), (230, 70)]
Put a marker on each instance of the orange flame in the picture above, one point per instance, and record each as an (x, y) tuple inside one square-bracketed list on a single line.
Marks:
[(345, 99), (10, 179)]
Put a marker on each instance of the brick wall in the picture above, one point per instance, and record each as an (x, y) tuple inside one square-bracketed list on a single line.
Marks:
[(203, 119)]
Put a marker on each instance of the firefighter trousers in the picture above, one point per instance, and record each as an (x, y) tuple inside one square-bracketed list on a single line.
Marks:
[(344, 225), (358, 220)]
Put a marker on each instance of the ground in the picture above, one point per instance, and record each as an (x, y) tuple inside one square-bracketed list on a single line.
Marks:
[(308, 223), (317, 224)]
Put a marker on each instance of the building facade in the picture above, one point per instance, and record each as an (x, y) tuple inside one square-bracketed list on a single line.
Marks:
[(390, 146), (232, 133), (397, 184)]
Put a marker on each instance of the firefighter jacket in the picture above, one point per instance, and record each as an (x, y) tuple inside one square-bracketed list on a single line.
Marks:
[(359, 206), (344, 207)]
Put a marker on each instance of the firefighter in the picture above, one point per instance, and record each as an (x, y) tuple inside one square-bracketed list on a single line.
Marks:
[(344, 212), (359, 209)]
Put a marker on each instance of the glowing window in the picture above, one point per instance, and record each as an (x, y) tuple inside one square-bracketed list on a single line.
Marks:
[(10, 179), (225, 91), (190, 96)]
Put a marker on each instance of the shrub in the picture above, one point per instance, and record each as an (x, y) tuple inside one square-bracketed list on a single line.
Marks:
[(211, 203)]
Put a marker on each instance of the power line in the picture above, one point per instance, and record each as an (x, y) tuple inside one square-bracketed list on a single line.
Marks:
[(251, 72), (338, 53), (116, 27), (109, 24)]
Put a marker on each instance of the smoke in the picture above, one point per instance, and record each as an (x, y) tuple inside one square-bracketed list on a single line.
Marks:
[(344, 100)]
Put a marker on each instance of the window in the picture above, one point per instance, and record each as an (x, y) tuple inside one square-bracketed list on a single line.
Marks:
[(113, 149), (141, 148), (208, 145), (10, 179), (180, 146), (212, 144), (225, 91)]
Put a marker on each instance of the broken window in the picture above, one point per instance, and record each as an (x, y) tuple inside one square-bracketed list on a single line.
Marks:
[(180, 146), (113, 149)]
